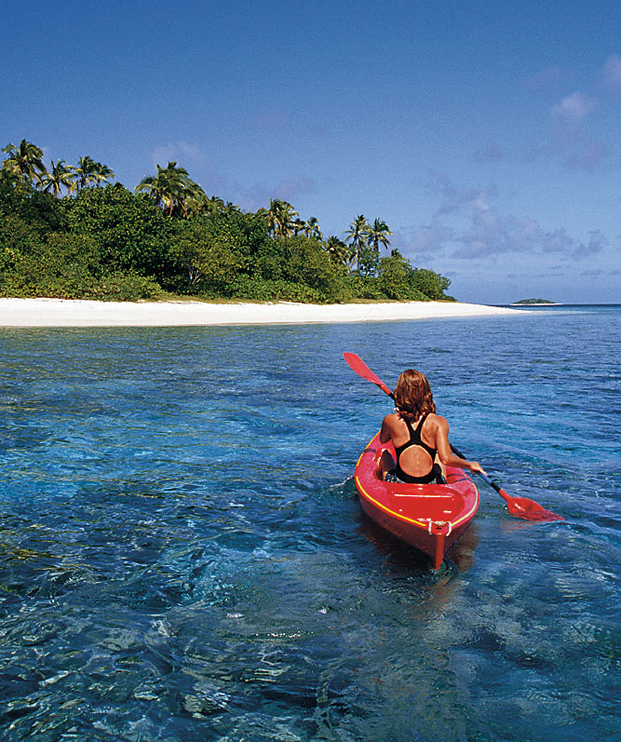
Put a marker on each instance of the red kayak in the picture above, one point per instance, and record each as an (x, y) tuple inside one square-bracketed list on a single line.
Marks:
[(430, 517)]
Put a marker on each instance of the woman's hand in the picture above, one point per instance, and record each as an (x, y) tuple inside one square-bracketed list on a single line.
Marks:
[(475, 467)]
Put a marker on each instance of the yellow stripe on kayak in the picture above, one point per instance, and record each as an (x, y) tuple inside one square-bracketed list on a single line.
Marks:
[(422, 524)]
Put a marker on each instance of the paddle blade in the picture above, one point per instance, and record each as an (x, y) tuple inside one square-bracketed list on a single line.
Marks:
[(360, 367), (523, 507), (520, 507)]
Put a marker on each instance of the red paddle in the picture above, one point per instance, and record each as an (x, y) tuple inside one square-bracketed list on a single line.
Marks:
[(520, 507)]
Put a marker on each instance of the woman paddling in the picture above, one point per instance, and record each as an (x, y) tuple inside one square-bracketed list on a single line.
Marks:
[(420, 437)]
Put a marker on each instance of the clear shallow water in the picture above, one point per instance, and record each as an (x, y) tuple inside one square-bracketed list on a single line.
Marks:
[(183, 556)]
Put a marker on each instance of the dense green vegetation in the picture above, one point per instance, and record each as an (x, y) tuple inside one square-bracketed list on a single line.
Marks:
[(534, 301), (68, 232)]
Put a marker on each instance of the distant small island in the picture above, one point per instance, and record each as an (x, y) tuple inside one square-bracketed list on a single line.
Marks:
[(534, 301)]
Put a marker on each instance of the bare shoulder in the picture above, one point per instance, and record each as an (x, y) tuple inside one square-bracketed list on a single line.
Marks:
[(388, 427), (390, 420), (437, 421)]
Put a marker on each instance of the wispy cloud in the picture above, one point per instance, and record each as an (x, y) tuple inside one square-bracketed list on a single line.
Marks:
[(185, 154), (587, 155), (469, 224), (492, 152), (427, 240), (271, 119), (611, 73), (287, 189), (574, 108), (572, 140), (454, 197), (546, 78)]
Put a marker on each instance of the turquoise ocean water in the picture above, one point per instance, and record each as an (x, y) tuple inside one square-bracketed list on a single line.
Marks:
[(182, 555)]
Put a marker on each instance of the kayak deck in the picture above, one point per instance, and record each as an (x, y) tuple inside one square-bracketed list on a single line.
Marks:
[(429, 517)]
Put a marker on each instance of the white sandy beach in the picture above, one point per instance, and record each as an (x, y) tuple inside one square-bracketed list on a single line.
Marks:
[(73, 313)]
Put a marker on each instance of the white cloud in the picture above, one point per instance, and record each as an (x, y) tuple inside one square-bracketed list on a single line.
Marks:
[(574, 108), (288, 190), (183, 153), (572, 140)]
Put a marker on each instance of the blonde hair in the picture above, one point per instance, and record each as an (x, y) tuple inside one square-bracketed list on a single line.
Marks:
[(412, 394)]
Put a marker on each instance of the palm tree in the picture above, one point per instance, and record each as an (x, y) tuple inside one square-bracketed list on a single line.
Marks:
[(298, 225), (24, 161), (85, 172), (280, 218), (198, 203), (378, 234), (340, 251), (170, 188), (193, 201), (217, 204), (102, 174), (358, 234), (312, 229), (58, 176)]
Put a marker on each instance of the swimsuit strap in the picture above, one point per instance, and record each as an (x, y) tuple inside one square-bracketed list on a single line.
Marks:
[(415, 438)]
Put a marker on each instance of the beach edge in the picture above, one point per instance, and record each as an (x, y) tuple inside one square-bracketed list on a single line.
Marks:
[(42, 312)]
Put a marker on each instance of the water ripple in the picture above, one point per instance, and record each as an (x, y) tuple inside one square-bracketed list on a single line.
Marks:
[(182, 555)]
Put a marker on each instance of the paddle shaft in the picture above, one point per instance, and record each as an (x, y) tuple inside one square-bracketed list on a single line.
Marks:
[(360, 367), (484, 477), (521, 507)]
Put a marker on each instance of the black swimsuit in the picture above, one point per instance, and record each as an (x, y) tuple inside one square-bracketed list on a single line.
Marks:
[(415, 440)]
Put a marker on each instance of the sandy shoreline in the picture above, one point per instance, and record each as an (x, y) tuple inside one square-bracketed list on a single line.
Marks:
[(74, 313)]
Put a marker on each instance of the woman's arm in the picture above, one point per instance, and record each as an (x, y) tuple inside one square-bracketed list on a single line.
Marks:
[(385, 432), (445, 454)]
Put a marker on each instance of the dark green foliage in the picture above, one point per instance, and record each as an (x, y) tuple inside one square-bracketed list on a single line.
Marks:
[(67, 266), (131, 234), (399, 280), (108, 243), (365, 287), (431, 284), (300, 261), (307, 263), (255, 289), (20, 199), (368, 262), (212, 253), (534, 301)]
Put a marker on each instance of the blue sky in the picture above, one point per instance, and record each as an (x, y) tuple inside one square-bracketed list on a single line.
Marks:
[(486, 134)]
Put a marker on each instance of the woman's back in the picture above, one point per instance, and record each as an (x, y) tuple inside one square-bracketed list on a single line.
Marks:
[(414, 441)]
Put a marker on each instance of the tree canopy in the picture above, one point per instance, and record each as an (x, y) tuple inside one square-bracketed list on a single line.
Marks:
[(68, 232)]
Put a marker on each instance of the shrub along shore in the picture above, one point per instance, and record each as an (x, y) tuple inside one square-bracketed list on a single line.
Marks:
[(69, 233)]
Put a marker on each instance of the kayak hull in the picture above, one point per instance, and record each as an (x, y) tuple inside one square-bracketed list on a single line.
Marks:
[(429, 517)]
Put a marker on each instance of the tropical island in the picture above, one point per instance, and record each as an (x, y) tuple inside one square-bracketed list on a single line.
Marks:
[(533, 302), (69, 232)]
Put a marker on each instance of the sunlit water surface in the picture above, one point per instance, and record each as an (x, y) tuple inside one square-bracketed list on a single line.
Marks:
[(183, 556)]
